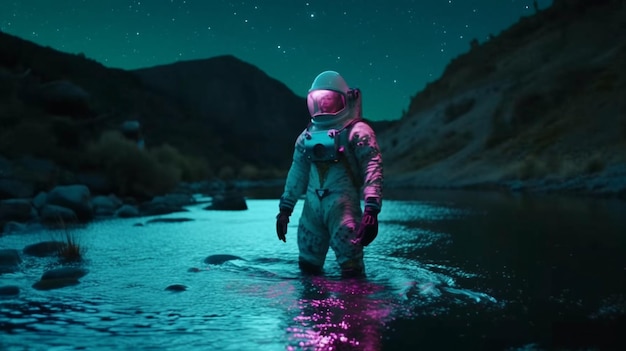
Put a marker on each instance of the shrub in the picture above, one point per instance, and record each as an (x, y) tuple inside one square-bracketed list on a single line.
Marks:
[(249, 172), (191, 168), (226, 172), (133, 171), (71, 250)]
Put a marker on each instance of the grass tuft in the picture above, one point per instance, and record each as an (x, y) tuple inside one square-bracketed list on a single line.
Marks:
[(71, 250)]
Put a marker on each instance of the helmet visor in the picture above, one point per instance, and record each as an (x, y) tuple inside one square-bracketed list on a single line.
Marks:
[(325, 102)]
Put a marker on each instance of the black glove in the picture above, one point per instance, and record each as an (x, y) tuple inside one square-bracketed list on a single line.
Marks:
[(369, 227), (282, 219)]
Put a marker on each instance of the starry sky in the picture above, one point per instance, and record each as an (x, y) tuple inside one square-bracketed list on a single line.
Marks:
[(388, 49)]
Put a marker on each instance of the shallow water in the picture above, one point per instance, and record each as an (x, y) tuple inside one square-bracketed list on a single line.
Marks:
[(449, 270)]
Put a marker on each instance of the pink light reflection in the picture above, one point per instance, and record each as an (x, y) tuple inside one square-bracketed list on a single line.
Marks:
[(325, 102), (339, 315)]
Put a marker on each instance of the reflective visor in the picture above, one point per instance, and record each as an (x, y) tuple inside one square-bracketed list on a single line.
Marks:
[(325, 102)]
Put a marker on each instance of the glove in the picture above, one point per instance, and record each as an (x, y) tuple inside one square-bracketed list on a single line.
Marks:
[(282, 219), (369, 227)]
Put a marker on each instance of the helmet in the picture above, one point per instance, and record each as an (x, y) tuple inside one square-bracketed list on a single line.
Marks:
[(330, 100)]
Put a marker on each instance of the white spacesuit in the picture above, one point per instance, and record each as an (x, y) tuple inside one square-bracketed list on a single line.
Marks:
[(336, 164)]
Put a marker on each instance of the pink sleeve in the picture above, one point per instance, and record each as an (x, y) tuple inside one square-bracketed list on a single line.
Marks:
[(370, 162)]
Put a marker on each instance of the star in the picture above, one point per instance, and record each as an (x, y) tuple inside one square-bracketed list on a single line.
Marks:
[(369, 43)]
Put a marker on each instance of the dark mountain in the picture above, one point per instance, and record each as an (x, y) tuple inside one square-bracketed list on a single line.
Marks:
[(54, 104), (250, 116)]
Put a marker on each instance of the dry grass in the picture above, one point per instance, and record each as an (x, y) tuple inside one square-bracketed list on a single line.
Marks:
[(562, 166), (71, 250), (132, 170), (428, 154)]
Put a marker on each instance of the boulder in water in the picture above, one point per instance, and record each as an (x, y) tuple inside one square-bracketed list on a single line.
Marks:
[(176, 287), (220, 259)]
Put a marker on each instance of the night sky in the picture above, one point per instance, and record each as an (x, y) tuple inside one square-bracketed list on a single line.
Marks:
[(389, 49)]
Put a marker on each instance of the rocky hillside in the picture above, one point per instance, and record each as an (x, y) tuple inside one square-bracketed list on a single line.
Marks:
[(541, 106)]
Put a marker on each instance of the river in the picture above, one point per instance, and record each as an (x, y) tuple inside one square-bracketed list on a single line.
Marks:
[(450, 270)]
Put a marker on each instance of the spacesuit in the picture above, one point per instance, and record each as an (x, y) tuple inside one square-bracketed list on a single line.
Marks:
[(336, 164)]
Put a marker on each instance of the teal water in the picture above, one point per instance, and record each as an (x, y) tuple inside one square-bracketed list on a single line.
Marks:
[(449, 270)]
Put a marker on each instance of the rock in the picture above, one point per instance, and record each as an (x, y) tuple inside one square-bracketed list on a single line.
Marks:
[(9, 260), (60, 278), (52, 214), (175, 199), (12, 227), (20, 210), (64, 273), (55, 283), (105, 205), (96, 182), (131, 129), (169, 220), (155, 208), (219, 259), (127, 211), (44, 248), (15, 188), (63, 97), (40, 200), (229, 201), (176, 288), (9, 290), (43, 172), (74, 197)]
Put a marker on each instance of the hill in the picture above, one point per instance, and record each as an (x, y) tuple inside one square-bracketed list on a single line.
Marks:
[(251, 117), (539, 107), (217, 117)]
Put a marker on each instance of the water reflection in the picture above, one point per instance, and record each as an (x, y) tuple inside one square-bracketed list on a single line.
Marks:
[(339, 315), (454, 272)]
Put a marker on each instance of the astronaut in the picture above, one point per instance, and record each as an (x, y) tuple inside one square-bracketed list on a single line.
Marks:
[(336, 164)]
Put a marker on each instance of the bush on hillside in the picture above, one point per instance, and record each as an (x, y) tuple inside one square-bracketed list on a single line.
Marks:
[(191, 168), (133, 171)]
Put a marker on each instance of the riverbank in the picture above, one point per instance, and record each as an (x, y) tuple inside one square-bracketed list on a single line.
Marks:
[(609, 182)]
